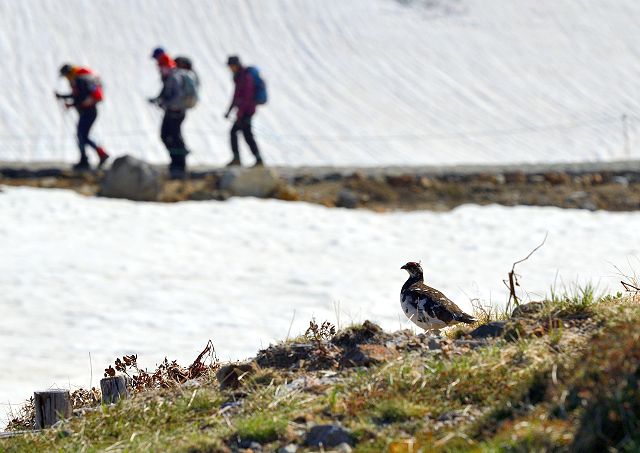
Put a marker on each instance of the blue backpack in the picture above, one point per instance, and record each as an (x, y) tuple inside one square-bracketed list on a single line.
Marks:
[(261, 86)]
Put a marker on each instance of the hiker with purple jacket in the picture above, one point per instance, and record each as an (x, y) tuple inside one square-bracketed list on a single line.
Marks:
[(249, 92)]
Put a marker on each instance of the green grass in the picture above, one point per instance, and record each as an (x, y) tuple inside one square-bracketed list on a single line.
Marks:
[(570, 374), (261, 427)]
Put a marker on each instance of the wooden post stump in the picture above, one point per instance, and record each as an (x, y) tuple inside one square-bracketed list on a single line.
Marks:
[(51, 406), (113, 389)]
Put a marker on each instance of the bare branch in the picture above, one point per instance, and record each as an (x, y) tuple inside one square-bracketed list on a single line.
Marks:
[(513, 277)]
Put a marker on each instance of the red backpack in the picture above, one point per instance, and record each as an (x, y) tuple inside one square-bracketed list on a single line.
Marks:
[(94, 80)]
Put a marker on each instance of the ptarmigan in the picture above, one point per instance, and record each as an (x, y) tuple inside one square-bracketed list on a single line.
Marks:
[(427, 307)]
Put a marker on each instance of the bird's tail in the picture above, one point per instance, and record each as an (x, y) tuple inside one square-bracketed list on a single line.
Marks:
[(467, 319)]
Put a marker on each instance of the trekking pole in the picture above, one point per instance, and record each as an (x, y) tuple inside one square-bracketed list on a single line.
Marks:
[(65, 120)]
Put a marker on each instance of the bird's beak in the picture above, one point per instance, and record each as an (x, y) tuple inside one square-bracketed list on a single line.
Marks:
[(404, 267)]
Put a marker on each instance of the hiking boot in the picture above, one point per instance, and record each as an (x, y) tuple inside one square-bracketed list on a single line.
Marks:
[(83, 165), (103, 158), (234, 163), (259, 163)]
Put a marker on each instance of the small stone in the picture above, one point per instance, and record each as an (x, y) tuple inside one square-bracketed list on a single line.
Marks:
[(557, 178), (250, 445), (366, 355), (291, 448), (426, 183), (401, 180), (229, 376), (328, 436), (347, 199), (518, 177), (527, 310), (578, 196), (489, 330), (621, 180), (449, 416), (333, 177), (471, 344), (434, 344), (589, 205), (48, 182), (344, 448)]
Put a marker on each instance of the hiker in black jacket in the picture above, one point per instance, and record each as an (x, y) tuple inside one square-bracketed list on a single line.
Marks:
[(86, 93), (175, 102)]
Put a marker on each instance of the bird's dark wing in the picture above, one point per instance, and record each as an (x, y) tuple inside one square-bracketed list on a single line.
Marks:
[(437, 305)]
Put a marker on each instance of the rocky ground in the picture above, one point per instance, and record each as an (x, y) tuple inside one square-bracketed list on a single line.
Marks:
[(555, 375), (612, 186)]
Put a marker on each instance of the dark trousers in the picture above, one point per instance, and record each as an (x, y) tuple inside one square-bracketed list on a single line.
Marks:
[(85, 121), (171, 135), (244, 125)]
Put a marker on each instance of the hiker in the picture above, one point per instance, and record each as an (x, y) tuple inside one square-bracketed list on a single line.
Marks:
[(250, 91), (86, 93), (179, 93)]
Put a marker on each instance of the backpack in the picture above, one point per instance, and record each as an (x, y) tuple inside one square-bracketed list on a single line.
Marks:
[(260, 96), (184, 63), (94, 83), (189, 86)]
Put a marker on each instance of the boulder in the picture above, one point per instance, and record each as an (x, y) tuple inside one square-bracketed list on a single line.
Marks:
[(133, 179), (258, 182), (328, 436), (489, 330)]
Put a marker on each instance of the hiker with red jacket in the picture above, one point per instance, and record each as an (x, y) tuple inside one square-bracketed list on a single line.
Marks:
[(245, 102), (86, 93)]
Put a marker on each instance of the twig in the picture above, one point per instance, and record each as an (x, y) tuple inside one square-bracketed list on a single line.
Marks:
[(291, 324), (513, 277), (629, 287)]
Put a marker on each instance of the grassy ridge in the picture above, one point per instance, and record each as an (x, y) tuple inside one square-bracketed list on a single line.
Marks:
[(562, 379)]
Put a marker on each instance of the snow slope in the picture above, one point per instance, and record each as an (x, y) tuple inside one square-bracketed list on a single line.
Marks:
[(363, 82), (110, 277)]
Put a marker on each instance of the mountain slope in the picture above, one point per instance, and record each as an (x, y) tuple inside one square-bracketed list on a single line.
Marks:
[(362, 82)]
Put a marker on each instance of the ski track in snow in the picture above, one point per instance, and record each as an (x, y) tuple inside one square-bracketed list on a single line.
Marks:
[(358, 82), (111, 277)]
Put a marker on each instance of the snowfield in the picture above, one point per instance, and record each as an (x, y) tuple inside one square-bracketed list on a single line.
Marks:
[(358, 82), (109, 277)]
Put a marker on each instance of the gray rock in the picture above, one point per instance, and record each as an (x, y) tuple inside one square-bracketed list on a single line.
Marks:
[(621, 180), (229, 376), (434, 344), (347, 199), (132, 179), (258, 182), (471, 344), (489, 330), (250, 444), (367, 355), (526, 310), (328, 436), (344, 448), (578, 196), (291, 448)]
